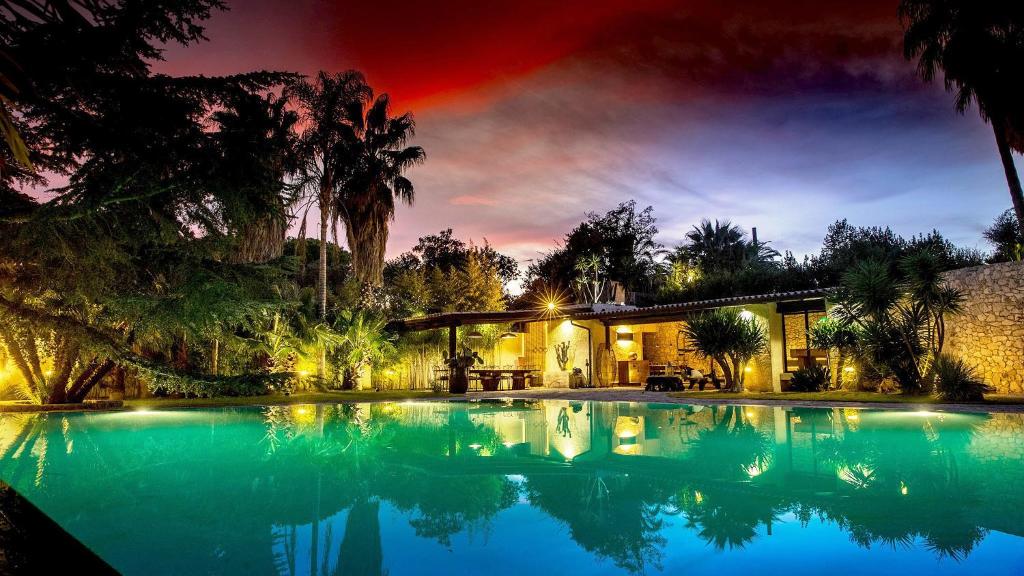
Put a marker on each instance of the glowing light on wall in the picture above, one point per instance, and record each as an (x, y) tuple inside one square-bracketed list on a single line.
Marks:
[(627, 433), (746, 314)]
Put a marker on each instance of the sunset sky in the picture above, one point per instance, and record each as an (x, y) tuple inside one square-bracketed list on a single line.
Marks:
[(780, 115)]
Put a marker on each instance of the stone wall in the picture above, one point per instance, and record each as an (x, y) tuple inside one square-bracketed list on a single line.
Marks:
[(989, 333)]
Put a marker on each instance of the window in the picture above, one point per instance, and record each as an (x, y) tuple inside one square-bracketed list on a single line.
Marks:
[(797, 319)]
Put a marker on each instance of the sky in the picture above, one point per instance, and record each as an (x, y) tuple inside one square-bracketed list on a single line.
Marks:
[(781, 115)]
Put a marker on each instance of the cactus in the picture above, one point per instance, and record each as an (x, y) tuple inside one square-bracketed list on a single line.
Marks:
[(562, 355)]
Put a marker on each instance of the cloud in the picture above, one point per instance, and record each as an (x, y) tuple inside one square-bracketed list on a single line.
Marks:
[(783, 115)]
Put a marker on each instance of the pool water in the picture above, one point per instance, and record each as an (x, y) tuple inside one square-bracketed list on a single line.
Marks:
[(528, 488)]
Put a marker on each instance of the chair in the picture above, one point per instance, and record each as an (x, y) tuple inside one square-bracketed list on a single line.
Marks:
[(440, 375)]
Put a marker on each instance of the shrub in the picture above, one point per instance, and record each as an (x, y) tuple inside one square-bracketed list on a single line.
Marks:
[(956, 381), (812, 379), (214, 386)]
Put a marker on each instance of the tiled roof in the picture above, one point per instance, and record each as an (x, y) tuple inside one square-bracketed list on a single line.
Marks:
[(697, 305), (603, 312)]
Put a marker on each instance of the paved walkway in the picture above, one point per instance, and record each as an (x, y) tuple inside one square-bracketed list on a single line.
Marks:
[(635, 394)]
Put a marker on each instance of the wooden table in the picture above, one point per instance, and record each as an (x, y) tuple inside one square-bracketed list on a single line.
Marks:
[(490, 378)]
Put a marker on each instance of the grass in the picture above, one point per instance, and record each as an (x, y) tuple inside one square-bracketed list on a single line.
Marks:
[(274, 399), (844, 396)]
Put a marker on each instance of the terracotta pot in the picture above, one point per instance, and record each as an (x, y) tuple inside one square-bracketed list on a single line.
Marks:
[(459, 382)]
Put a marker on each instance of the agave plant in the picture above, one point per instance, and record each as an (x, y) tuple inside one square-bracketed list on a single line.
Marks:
[(956, 381)]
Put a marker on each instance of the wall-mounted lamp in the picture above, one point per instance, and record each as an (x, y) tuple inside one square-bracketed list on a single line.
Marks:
[(474, 335), (623, 336), (507, 335)]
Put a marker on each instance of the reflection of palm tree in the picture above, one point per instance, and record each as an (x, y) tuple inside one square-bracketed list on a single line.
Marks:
[(730, 452), (910, 472), (360, 553)]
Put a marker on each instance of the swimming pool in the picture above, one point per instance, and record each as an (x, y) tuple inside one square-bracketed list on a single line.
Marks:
[(528, 487)]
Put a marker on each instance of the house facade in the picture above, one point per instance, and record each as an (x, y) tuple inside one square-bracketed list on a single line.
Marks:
[(618, 345)]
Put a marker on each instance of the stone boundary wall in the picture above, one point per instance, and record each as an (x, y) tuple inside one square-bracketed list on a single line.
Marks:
[(989, 333)]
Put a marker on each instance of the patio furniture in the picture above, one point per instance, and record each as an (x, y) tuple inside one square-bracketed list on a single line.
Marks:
[(441, 375), (507, 378), (664, 383), (807, 357)]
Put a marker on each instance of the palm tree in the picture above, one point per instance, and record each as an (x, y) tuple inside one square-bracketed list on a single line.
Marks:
[(256, 139), (716, 246), (330, 107), (979, 47), (367, 203), (363, 342)]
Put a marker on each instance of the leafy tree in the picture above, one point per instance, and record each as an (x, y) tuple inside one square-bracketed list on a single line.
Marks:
[(846, 245), (1006, 235), (145, 217), (979, 49), (444, 251), (622, 241), (728, 338)]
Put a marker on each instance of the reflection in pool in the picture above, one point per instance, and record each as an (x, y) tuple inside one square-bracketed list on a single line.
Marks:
[(506, 488)]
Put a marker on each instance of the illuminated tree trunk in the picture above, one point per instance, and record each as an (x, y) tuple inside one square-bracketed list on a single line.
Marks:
[(215, 356)]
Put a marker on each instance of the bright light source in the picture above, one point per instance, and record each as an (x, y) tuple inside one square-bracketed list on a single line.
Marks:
[(552, 305), (746, 314), (903, 488), (848, 369), (748, 369), (476, 446)]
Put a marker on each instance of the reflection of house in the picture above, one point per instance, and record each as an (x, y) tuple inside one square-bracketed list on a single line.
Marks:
[(621, 345)]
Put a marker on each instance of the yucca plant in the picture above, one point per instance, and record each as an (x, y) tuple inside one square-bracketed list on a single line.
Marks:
[(957, 381), (729, 339)]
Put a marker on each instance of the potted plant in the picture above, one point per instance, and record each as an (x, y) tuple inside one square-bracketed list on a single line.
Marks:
[(458, 365)]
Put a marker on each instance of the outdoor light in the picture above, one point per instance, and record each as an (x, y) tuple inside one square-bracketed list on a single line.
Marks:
[(552, 306), (624, 336), (507, 335), (474, 335), (746, 314)]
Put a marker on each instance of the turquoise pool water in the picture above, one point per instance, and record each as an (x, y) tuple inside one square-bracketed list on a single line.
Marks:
[(529, 488)]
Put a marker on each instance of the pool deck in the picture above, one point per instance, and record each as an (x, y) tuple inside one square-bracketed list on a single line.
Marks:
[(634, 394)]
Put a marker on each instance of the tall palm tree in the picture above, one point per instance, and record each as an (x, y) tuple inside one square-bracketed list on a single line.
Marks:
[(329, 106), (367, 204), (979, 47)]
